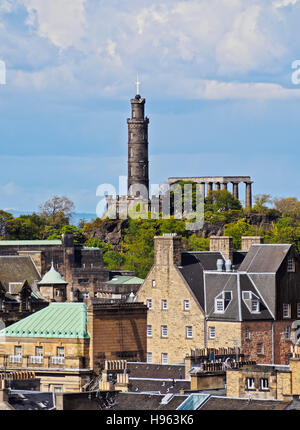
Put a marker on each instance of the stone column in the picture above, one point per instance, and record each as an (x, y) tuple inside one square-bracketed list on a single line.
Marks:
[(235, 190), (209, 187), (248, 202), (202, 188), (217, 186), (224, 186)]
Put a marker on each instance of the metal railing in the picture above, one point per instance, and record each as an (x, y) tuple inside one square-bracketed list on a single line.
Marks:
[(36, 359), (57, 360), (15, 359)]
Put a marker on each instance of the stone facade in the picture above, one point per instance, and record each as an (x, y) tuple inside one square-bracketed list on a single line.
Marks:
[(267, 341), (70, 375), (265, 382), (165, 282), (118, 331), (227, 334), (82, 268)]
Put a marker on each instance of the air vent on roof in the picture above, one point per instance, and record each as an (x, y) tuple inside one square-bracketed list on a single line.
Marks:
[(220, 265)]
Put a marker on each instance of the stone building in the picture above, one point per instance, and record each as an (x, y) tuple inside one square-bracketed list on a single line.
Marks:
[(66, 344), (19, 292), (81, 267), (256, 303), (265, 381), (234, 299)]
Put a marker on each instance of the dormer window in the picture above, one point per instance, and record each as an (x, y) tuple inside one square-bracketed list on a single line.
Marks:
[(254, 305), (252, 302), (222, 301)]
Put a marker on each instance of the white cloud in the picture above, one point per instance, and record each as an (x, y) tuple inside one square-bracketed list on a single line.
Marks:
[(176, 46), (63, 22)]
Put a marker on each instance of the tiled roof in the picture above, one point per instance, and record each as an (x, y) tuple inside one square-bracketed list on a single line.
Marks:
[(58, 320)]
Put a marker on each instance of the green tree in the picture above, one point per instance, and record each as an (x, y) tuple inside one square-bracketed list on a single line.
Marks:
[(198, 243), (289, 206), (25, 227), (221, 200), (4, 218), (79, 237), (57, 211), (239, 229), (260, 203)]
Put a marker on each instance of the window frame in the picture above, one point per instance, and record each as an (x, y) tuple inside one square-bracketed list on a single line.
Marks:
[(284, 316), (287, 330), (164, 355), (252, 385), (164, 305), (149, 355), (210, 330), (186, 305), (291, 268), (260, 348), (189, 332), (164, 328), (149, 330), (262, 385), (149, 304)]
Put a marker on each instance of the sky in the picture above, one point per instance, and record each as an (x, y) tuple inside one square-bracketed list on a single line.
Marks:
[(220, 78)]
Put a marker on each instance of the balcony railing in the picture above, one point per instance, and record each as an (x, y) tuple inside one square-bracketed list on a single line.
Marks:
[(57, 360), (15, 359), (36, 359)]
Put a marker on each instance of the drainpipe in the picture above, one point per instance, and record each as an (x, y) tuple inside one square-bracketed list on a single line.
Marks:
[(205, 331), (272, 342)]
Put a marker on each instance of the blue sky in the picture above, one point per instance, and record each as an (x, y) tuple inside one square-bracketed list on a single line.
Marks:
[(216, 74)]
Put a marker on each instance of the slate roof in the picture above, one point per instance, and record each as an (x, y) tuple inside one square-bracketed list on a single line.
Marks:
[(264, 258), (229, 403), (31, 400), (192, 266), (194, 263), (58, 320), (236, 283), (17, 269), (163, 386), (145, 401), (150, 370)]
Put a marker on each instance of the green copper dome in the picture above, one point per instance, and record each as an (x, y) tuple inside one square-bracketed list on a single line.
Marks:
[(52, 278)]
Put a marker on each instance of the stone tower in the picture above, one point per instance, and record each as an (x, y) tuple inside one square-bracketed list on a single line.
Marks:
[(138, 164)]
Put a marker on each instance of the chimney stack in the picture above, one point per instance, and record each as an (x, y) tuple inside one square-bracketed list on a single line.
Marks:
[(167, 250), (222, 244), (248, 241)]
